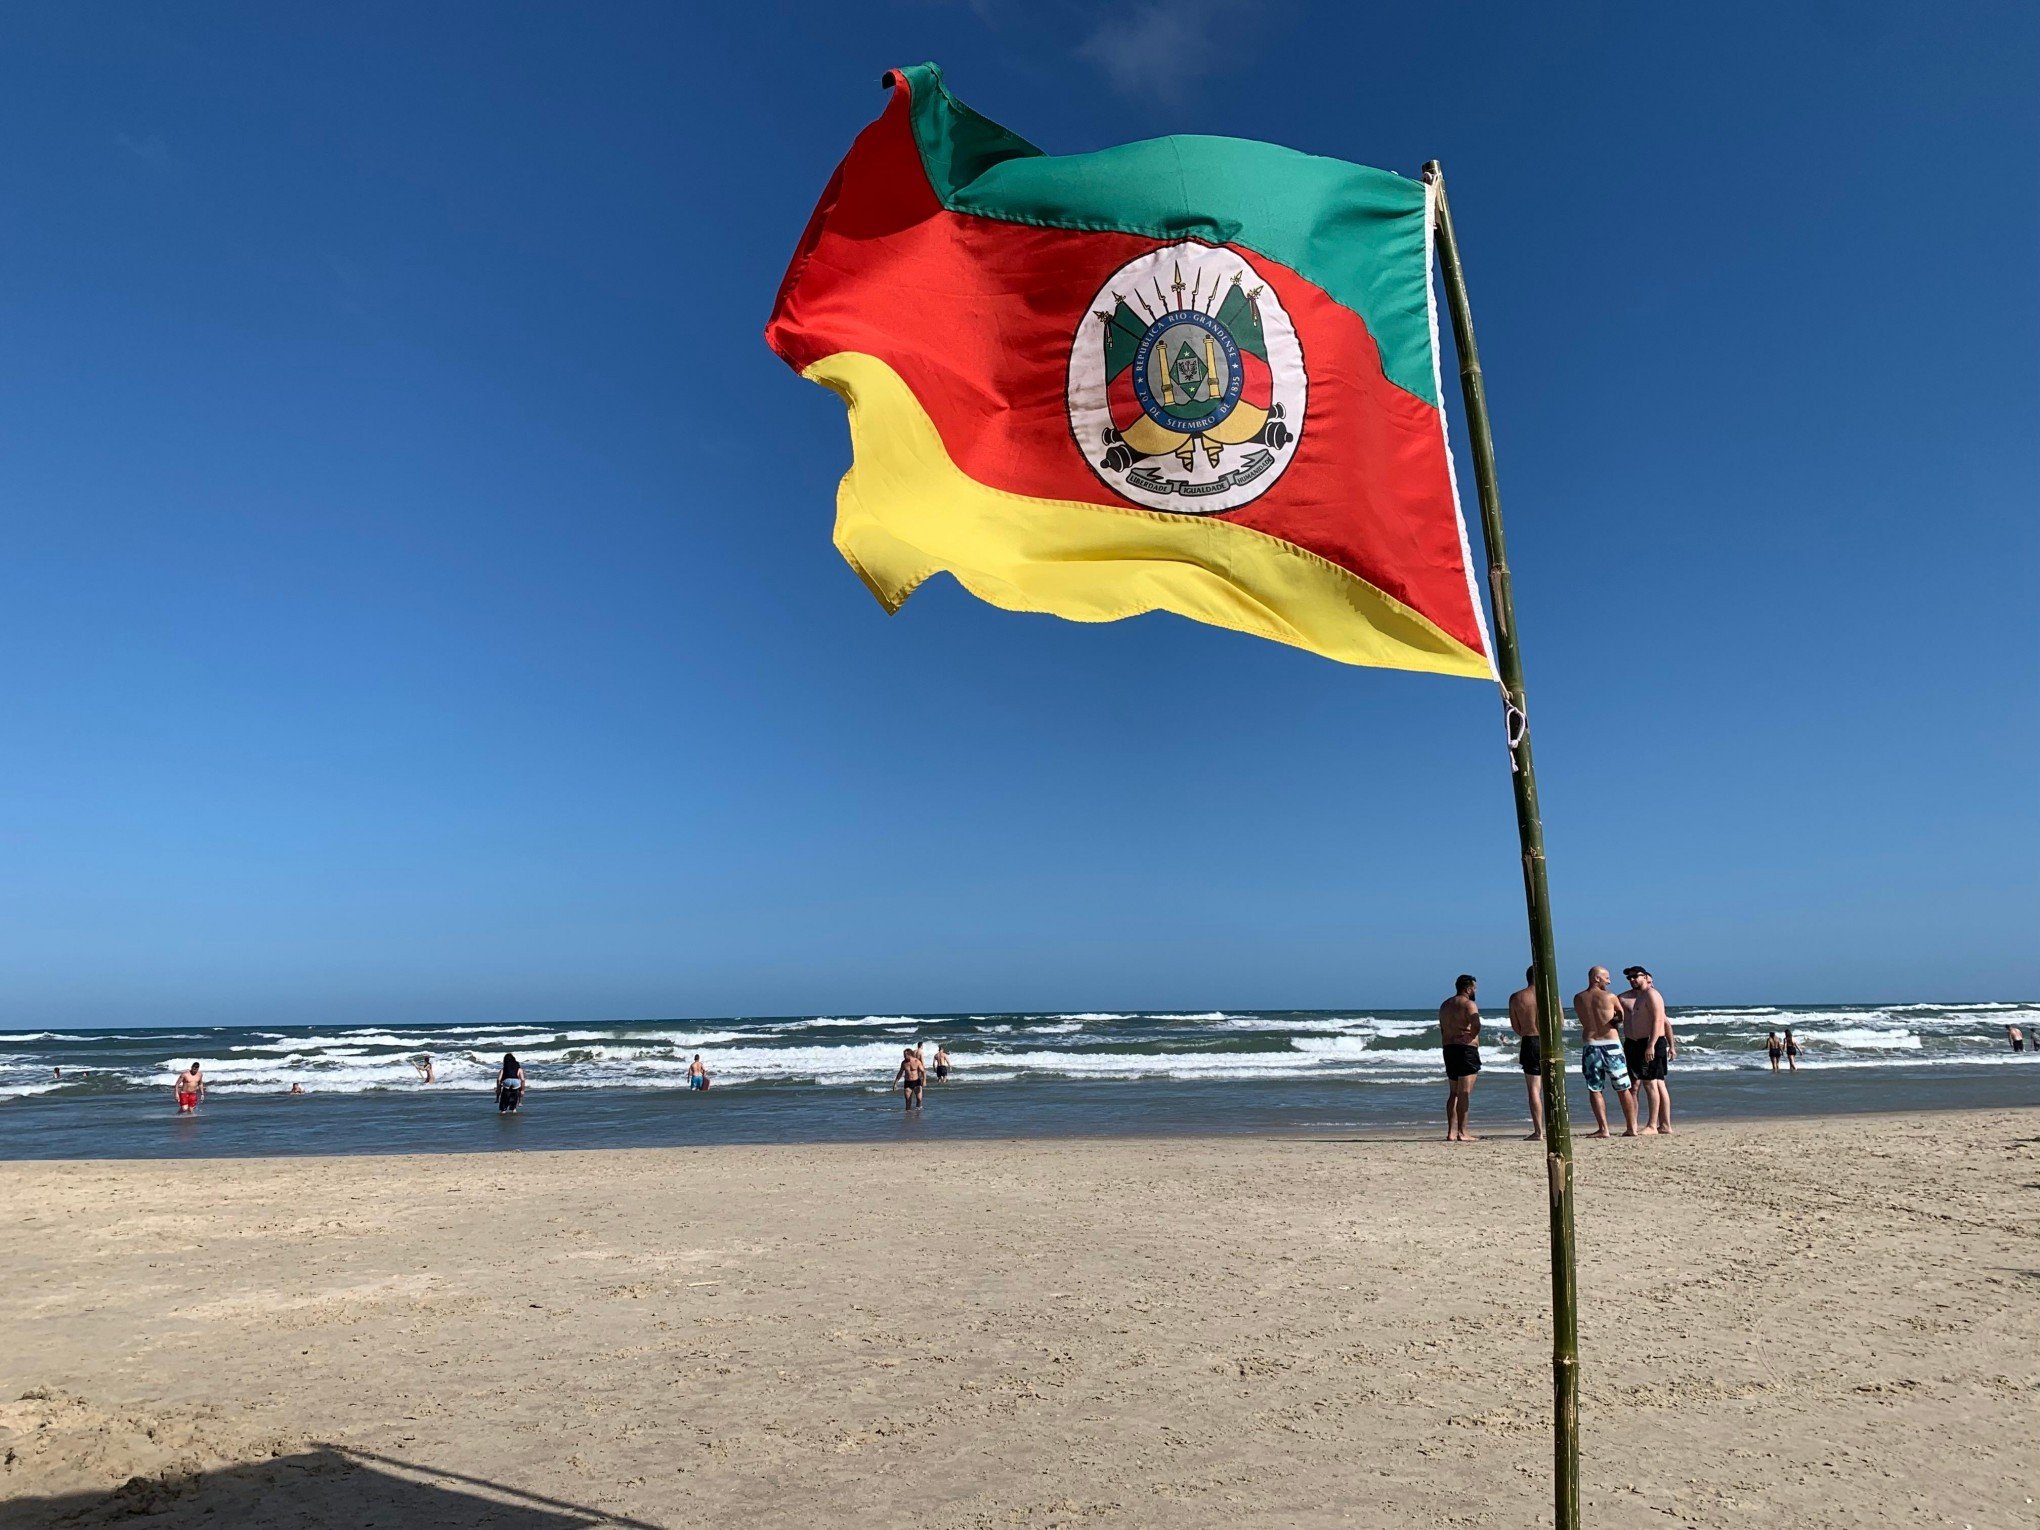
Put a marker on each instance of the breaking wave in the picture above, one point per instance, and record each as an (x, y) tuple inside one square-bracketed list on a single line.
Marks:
[(862, 1052)]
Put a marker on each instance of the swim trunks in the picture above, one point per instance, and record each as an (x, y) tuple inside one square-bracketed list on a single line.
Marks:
[(942, 1070), (1660, 1060), (1603, 1064), (1531, 1057), (1461, 1061), (1635, 1053), (186, 1101), (697, 1081)]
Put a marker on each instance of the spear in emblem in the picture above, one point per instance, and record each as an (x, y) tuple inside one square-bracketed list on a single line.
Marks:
[(1177, 285)]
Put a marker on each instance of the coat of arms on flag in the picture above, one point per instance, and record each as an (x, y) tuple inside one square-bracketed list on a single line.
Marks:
[(1187, 384)]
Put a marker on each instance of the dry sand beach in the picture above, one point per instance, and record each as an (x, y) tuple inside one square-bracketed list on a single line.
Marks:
[(1827, 1323)]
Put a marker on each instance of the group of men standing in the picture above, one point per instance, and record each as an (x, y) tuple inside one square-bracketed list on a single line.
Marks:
[(1627, 1049)]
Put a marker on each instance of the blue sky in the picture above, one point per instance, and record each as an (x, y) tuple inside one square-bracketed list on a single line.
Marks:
[(417, 599)]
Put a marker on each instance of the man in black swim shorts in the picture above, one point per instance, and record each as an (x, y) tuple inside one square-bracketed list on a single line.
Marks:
[(1647, 1035), (1459, 1030), (1530, 1051), (1635, 1028), (912, 1077)]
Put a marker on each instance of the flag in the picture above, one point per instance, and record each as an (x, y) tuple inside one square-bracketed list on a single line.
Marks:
[(1191, 374)]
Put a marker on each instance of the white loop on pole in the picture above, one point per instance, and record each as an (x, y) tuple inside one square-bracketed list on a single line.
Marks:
[(1516, 724)]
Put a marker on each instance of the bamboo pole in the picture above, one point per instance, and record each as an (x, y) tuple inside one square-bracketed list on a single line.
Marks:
[(1565, 1339)]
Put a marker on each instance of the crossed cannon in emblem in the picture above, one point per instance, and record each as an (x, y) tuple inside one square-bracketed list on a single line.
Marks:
[(1119, 456)]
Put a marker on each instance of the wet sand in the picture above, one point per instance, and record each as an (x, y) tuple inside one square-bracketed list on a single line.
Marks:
[(1822, 1323)]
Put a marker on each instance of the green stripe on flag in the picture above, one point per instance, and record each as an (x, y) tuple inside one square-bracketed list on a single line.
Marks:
[(1355, 232)]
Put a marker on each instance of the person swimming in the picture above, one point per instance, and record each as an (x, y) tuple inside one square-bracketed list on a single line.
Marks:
[(510, 1085)]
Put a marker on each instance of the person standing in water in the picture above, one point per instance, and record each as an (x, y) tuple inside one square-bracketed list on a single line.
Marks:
[(1459, 1034), (510, 1082), (1602, 1052), (941, 1062), (423, 1063), (912, 1077), (1791, 1051), (697, 1073), (190, 1089), (2016, 1037), (1776, 1048), (1530, 1054)]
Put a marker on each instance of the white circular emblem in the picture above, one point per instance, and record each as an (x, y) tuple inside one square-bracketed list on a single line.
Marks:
[(1186, 382)]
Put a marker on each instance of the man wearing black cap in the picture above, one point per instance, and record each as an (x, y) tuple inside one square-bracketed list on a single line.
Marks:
[(1649, 1047)]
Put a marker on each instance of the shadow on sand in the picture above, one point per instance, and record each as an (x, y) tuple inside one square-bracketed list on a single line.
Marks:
[(327, 1486)]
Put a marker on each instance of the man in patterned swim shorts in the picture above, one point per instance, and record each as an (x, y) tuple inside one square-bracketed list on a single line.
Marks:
[(1601, 1058)]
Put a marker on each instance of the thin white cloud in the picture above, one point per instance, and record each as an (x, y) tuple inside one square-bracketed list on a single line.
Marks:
[(1154, 49), (150, 150)]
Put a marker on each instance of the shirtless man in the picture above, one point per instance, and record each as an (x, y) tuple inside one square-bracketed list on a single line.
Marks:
[(1647, 1032), (912, 1076), (190, 1087), (941, 1062), (1601, 1050), (1459, 1028), (1530, 1055)]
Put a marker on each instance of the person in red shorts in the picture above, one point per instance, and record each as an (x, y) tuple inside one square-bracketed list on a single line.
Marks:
[(190, 1087)]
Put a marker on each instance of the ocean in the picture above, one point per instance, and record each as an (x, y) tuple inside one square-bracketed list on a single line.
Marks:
[(101, 1094)]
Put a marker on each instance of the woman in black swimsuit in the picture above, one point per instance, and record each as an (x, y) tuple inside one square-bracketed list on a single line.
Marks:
[(509, 1085), (1791, 1051)]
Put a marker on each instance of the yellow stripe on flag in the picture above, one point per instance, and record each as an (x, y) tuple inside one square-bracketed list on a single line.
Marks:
[(904, 511)]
